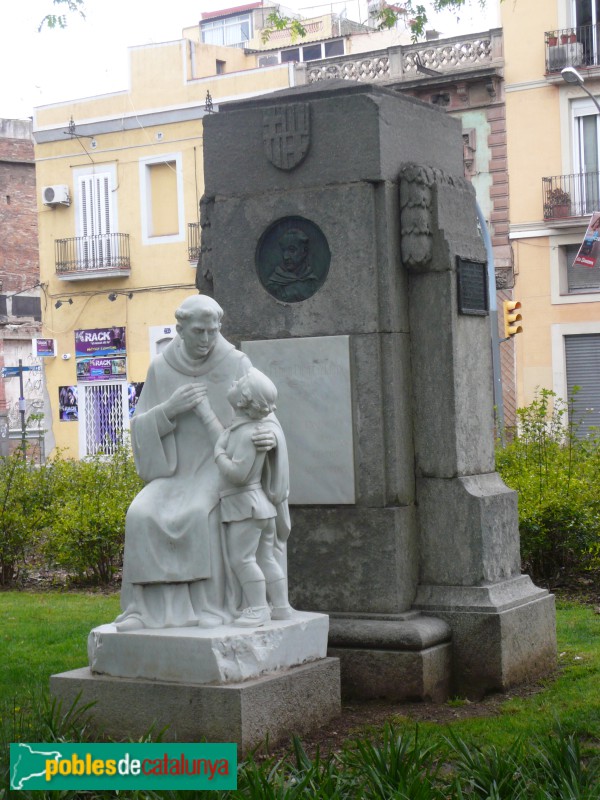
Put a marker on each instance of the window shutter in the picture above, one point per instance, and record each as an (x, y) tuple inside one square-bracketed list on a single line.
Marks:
[(582, 355)]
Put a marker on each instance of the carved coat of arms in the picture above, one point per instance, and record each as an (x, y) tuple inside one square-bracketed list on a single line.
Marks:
[(286, 134)]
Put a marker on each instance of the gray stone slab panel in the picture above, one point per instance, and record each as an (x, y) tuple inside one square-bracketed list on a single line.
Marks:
[(297, 700), (351, 560), (314, 406), (493, 650), (371, 674), (469, 530)]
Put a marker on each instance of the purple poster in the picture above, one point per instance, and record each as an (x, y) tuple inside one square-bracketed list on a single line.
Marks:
[(44, 347), (100, 342), (67, 404), (101, 369)]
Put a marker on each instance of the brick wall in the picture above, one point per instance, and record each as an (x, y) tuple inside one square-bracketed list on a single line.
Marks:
[(19, 263)]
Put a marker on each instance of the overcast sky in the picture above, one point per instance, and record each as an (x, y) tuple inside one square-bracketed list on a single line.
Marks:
[(90, 56)]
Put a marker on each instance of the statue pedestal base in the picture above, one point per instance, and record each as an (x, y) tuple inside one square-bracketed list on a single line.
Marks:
[(222, 655), (400, 657), (295, 700), (224, 684)]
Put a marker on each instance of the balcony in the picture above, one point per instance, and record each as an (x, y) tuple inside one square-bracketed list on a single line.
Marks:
[(409, 62), (572, 47), (568, 196), (193, 242), (86, 257)]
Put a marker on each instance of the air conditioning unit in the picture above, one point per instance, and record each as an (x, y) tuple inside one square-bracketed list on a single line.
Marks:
[(56, 196)]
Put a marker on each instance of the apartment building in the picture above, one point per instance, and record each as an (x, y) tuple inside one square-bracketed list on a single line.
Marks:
[(553, 161)]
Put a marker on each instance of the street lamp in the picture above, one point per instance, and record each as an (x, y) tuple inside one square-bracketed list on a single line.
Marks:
[(570, 75)]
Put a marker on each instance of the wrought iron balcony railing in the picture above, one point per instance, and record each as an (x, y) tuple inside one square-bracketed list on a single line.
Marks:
[(573, 47), (193, 242), (82, 255), (571, 195)]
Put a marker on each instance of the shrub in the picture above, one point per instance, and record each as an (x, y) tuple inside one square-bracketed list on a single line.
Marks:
[(557, 475), (91, 500), (25, 510)]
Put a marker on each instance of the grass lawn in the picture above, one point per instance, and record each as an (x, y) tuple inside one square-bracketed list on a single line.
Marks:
[(44, 633)]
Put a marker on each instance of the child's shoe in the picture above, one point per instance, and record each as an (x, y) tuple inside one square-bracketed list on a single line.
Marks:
[(253, 617), (282, 612)]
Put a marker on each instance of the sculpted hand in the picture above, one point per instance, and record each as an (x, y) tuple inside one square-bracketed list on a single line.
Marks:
[(204, 409), (263, 440), (183, 399)]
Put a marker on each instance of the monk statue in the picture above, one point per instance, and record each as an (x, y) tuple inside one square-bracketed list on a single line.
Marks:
[(176, 569)]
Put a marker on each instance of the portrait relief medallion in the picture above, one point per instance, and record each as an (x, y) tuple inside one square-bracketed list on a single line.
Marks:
[(286, 134), (292, 259)]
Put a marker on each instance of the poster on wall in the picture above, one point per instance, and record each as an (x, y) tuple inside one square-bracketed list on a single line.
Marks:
[(106, 342), (589, 252), (135, 390), (68, 410), (101, 369), (45, 348)]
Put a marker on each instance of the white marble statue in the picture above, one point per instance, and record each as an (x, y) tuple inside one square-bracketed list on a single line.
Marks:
[(176, 569), (254, 487)]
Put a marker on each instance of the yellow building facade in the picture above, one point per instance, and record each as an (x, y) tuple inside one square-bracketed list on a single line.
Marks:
[(554, 169), (119, 180)]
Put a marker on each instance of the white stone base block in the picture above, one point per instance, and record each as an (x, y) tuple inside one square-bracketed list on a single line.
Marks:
[(220, 655), (296, 700)]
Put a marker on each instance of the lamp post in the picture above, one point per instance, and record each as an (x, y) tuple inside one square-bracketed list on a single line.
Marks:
[(570, 75)]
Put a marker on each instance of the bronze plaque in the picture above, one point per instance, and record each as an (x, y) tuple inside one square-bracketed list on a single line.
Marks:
[(286, 134), (472, 287), (292, 259)]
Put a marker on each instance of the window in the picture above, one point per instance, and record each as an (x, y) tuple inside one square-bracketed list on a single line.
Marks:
[(95, 218), (335, 48), (580, 278), (229, 32), (161, 190), (586, 158), (290, 55), (220, 67), (586, 18), (23, 306), (312, 52), (582, 359)]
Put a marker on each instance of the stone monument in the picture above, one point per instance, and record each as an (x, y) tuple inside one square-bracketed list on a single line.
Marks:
[(338, 226), (207, 643)]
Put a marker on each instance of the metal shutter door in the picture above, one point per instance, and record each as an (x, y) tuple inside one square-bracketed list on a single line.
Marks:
[(582, 355)]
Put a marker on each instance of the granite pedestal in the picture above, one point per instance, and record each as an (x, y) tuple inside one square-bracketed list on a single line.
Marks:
[(222, 684)]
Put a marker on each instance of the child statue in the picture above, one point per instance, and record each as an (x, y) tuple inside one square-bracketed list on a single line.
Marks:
[(253, 494)]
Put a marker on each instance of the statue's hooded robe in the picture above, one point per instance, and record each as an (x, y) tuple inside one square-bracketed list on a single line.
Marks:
[(173, 533)]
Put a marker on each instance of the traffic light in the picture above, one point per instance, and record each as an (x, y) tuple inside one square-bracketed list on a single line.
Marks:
[(512, 318)]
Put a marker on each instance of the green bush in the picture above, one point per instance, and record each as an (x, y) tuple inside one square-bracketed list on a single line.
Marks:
[(557, 476), (25, 510), (91, 500)]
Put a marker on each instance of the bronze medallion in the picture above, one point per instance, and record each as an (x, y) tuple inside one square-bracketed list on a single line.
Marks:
[(292, 259)]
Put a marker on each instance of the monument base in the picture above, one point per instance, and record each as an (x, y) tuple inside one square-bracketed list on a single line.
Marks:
[(296, 700), (403, 657), (225, 654), (503, 634)]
